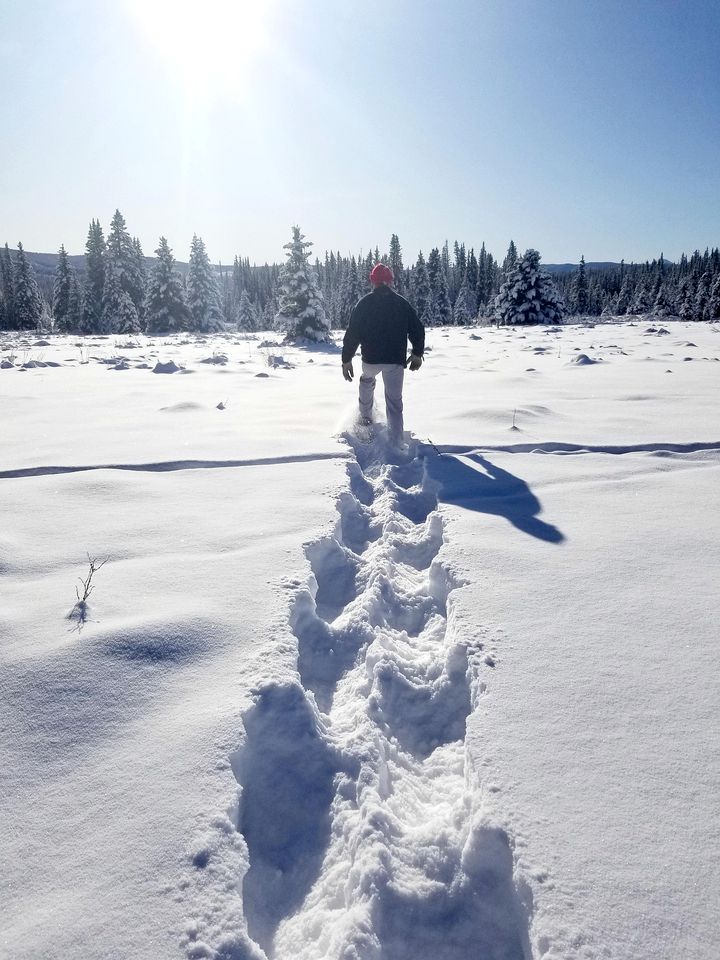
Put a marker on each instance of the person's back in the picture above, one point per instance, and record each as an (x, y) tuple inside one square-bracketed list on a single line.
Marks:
[(381, 325)]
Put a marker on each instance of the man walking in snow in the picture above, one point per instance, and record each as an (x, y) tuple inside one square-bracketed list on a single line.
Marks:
[(381, 324)]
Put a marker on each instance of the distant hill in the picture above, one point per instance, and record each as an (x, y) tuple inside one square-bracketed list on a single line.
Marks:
[(570, 267), (44, 263)]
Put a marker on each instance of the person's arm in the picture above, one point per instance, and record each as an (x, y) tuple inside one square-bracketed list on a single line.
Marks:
[(416, 332), (353, 336)]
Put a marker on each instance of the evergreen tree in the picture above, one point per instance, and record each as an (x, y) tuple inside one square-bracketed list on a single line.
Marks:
[(7, 288), (75, 304), (202, 291), (580, 290), (439, 309), (95, 253), (139, 278), (246, 315), (127, 320), (713, 308), (167, 310), (623, 300), (528, 295), (301, 312), (28, 305), (123, 262), (641, 302), (464, 311), (662, 305), (422, 300), (61, 290), (471, 280), (119, 312), (396, 265), (702, 297), (510, 259), (348, 294), (686, 300), (481, 292)]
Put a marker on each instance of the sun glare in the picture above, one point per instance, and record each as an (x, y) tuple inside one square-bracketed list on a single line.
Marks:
[(211, 47)]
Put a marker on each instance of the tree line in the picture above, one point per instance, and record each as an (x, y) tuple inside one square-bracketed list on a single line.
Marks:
[(120, 291)]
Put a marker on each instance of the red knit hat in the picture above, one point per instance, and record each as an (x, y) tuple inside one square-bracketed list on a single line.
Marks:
[(381, 274)]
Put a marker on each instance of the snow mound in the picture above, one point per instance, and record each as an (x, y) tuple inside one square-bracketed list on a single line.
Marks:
[(169, 367), (582, 360), (157, 642)]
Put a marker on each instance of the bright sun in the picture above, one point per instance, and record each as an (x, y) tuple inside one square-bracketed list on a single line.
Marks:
[(211, 46)]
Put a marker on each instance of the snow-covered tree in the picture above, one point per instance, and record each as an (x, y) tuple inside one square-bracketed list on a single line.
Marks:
[(166, 309), (74, 320), (203, 297), (27, 300), (61, 290), (440, 309), (623, 299), (580, 290), (95, 252), (465, 310), (396, 265), (663, 306), (527, 295), (7, 289), (702, 297), (713, 307), (246, 316), (121, 267), (510, 259), (348, 295), (139, 278), (302, 311), (421, 296), (641, 300)]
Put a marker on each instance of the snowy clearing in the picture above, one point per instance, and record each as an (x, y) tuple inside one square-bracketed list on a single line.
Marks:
[(334, 702)]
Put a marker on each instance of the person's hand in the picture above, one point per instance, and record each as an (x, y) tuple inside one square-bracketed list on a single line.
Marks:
[(348, 371), (414, 361)]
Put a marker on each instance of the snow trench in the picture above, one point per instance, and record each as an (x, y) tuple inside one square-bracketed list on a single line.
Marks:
[(359, 806)]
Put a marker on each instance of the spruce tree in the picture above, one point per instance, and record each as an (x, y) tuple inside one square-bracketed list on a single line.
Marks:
[(119, 312), (75, 304), (61, 290), (623, 301), (510, 259), (7, 288), (27, 300), (246, 315), (440, 309), (421, 289), (527, 295), (138, 278), (686, 300), (396, 265), (464, 311), (713, 307), (348, 294), (95, 252), (203, 298), (123, 261), (580, 290), (302, 311), (663, 305), (166, 310), (702, 297)]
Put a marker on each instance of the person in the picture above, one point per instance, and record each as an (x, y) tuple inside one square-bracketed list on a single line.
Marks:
[(381, 324)]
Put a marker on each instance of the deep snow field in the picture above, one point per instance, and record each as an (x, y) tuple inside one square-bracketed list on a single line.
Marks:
[(332, 702)]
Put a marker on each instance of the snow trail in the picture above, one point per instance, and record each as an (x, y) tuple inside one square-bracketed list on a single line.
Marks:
[(359, 806)]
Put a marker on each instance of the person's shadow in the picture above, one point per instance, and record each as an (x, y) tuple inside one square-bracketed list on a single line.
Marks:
[(489, 489)]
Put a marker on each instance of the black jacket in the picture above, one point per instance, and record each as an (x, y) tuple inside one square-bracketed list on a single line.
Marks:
[(381, 324)]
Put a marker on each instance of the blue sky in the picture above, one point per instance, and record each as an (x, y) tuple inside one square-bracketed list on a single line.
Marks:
[(574, 126)]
